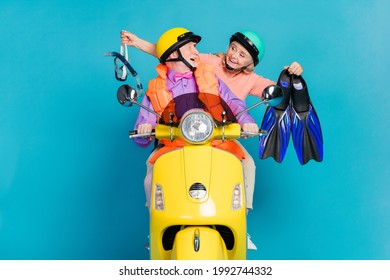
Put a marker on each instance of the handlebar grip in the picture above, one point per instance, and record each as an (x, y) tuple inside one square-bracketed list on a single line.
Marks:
[(135, 134), (261, 132)]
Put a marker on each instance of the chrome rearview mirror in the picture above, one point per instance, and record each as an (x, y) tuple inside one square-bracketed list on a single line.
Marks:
[(273, 95), (126, 95)]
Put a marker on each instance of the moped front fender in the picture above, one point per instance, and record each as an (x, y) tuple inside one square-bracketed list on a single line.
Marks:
[(199, 243)]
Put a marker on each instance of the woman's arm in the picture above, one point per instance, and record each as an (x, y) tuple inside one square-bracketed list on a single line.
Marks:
[(130, 39)]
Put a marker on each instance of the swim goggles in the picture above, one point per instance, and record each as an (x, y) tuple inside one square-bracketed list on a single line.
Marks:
[(122, 65)]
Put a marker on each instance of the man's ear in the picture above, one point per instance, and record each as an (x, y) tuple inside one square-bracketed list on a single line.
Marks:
[(173, 55)]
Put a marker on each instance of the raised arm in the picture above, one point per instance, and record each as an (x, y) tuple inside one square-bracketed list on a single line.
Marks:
[(130, 39)]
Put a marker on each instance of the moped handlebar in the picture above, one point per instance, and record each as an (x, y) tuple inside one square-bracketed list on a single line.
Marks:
[(135, 134)]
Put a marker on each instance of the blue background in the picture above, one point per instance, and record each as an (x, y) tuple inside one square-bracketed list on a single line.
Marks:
[(71, 180)]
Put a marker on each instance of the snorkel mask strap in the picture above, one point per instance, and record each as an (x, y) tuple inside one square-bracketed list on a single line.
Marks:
[(125, 61), (125, 54)]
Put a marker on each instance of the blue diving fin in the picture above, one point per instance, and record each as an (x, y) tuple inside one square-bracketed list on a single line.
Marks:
[(277, 122), (305, 124)]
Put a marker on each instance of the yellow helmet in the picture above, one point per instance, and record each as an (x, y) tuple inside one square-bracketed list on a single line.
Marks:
[(172, 39)]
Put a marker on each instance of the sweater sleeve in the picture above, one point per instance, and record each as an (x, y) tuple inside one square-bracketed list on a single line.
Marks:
[(236, 104), (145, 117)]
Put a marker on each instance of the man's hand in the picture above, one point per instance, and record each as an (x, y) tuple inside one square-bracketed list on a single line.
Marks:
[(145, 128)]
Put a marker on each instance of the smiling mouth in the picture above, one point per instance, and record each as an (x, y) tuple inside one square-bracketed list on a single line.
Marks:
[(231, 61), (193, 60)]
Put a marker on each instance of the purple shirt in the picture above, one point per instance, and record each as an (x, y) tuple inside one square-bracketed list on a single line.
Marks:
[(185, 86)]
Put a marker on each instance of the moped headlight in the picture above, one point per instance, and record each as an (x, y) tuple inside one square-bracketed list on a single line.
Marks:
[(197, 191), (197, 127)]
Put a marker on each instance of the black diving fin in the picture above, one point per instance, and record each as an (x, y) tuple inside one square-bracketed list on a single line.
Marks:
[(305, 124), (277, 122), (295, 115)]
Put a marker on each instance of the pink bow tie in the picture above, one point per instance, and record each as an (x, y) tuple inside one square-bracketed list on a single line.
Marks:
[(178, 76)]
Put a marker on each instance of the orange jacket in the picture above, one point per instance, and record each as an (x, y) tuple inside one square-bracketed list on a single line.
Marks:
[(160, 96), (207, 84)]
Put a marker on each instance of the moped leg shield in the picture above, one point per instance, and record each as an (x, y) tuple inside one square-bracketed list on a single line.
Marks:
[(178, 172)]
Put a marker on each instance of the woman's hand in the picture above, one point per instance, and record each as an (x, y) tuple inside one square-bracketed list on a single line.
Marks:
[(128, 38), (250, 127), (295, 68)]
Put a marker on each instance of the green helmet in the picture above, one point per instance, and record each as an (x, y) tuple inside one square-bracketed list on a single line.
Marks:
[(251, 42)]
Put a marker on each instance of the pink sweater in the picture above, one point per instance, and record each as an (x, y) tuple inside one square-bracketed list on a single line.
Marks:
[(241, 84)]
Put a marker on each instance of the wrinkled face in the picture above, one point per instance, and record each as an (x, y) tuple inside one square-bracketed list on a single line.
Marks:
[(237, 56), (189, 53)]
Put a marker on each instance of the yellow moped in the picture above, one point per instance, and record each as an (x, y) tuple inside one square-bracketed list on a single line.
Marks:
[(197, 206)]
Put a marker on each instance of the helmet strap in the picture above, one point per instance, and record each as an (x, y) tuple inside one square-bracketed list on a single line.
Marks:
[(181, 58), (236, 69)]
